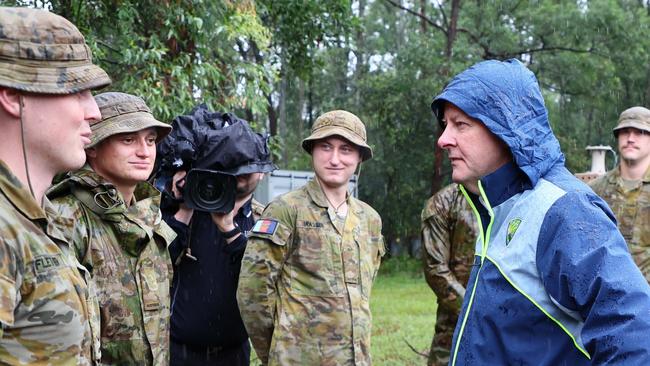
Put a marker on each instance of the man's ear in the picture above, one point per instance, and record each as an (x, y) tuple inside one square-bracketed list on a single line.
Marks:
[(91, 153), (10, 100)]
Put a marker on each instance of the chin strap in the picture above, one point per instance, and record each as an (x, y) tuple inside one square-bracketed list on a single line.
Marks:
[(358, 177), (22, 139)]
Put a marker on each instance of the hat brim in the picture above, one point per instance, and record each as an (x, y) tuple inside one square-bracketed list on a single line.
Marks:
[(48, 79), (631, 123), (126, 123), (366, 151), (255, 167)]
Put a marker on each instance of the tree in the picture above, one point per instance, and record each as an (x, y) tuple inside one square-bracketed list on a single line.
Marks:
[(175, 53)]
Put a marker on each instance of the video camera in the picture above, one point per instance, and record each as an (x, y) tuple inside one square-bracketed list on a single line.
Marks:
[(210, 190), (214, 148)]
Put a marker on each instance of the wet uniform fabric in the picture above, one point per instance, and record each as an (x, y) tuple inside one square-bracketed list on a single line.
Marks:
[(306, 278), (449, 232), (125, 248), (48, 311), (631, 207)]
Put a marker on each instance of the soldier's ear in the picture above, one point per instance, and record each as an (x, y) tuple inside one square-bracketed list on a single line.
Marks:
[(10, 100), (91, 153)]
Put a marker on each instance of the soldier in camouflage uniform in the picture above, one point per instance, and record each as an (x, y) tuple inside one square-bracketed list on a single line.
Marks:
[(311, 260), (112, 217), (448, 235), (627, 187), (47, 308)]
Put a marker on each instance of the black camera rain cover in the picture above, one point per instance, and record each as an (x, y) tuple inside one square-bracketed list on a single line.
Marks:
[(213, 140)]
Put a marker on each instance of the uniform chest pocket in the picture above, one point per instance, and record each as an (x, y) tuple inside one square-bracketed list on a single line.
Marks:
[(315, 263), (151, 283)]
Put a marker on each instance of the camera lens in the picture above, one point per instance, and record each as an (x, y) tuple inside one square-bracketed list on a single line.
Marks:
[(209, 190)]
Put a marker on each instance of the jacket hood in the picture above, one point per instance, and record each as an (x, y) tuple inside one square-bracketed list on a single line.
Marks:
[(505, 96)]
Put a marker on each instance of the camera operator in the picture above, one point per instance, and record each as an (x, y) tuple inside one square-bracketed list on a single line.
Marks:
[(206, 328)]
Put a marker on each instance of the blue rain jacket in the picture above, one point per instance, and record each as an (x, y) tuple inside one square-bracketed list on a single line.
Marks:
[(553, 282)]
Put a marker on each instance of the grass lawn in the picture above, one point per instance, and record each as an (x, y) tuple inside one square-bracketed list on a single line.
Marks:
[(403, 310)]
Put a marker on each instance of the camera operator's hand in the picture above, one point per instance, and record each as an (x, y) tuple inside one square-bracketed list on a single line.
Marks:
[(184, 214), (226, 221)]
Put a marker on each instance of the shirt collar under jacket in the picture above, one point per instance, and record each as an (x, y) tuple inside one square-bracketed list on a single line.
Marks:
[(504, 183), (499, 186)]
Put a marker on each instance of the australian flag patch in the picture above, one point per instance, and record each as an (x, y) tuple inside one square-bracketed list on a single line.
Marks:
[(265, 226)]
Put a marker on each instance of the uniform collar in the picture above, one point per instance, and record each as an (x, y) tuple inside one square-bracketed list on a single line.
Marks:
[(616, 174), (318, 196), (15, 192), (316, 193), (143, 190)]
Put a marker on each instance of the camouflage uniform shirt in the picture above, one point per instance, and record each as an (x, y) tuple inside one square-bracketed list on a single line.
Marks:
[(449, 232), (632, 210), (46, 306), (305, 281), (126, 251)]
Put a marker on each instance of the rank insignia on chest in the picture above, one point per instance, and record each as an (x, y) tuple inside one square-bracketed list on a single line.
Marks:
[(265, 226)]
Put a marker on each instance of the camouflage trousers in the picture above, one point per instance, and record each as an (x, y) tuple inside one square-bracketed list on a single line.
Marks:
[(441, 343)]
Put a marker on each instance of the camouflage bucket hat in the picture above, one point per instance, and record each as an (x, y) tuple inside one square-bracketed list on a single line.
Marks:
[(340, 123), (41, 52), (635, 117), (123, 113)]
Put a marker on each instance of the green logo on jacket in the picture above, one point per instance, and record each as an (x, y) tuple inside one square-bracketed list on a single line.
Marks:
[(513, 225)]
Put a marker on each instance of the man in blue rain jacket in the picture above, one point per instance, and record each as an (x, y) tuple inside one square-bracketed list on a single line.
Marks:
[(553, 281)]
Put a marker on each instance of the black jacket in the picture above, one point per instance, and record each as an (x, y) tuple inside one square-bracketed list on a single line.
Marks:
[(204, 311)]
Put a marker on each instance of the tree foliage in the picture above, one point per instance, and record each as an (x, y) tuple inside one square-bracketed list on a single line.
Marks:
[(176, 53), (281, 63), (591, 59)]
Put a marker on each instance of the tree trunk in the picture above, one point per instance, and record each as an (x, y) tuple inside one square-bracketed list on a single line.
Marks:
[(423, 12), (359, 52), (282, 108), (647, 81), (451, 32), (437, 178), (270, 109)]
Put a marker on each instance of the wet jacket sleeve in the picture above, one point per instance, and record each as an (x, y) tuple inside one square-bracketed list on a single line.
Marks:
[(261, 268), (586, 268), (437, 226)]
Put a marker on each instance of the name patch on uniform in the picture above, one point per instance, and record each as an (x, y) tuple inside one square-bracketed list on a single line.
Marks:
[(45, 263), (310, 224), (265, 226)]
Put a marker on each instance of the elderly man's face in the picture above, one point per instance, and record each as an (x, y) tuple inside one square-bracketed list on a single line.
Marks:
[(473, 150), (634, 145)]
